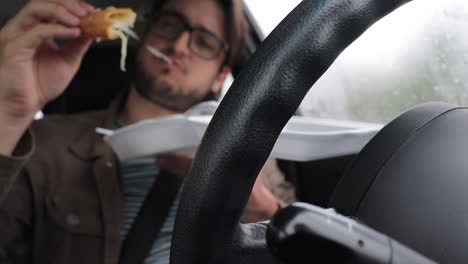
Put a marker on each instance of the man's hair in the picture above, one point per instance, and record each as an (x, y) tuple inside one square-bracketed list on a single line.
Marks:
[(236, 28)]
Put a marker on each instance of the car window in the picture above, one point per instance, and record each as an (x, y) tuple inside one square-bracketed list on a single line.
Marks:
[(268, 13), (418, 53)]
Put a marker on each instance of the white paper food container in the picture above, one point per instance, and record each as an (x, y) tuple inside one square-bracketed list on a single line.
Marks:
[(302, 139)]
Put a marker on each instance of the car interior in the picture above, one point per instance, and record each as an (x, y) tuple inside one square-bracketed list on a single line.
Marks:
[(398, 200), (98, 81)]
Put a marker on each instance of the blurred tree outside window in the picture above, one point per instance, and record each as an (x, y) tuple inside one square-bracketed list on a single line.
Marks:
[(417, 54)]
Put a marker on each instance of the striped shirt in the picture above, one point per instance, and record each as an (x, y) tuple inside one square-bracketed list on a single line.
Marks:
[(138, 176)]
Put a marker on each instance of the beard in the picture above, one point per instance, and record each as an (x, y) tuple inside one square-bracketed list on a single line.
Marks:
[(163, 93)]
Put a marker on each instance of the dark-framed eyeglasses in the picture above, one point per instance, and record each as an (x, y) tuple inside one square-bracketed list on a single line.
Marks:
[(169, 25)]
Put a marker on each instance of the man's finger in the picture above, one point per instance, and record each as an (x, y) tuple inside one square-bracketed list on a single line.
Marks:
[(43, 32), (44, 12), (87, 6), (50, 12), (77, 7), (75, 49)]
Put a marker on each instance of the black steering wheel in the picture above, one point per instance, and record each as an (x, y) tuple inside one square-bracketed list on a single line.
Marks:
[(248, 121)]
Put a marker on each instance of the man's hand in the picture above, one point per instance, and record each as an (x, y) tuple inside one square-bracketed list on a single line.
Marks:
[(261, 205), (33, 69)]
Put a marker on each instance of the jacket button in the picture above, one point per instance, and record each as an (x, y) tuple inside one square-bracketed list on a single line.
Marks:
[(72, 219), (109, 164)]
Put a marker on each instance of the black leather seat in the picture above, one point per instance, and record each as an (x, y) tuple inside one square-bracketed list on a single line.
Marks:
[(410, 182)]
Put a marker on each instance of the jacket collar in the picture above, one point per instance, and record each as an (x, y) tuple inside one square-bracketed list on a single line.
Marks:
[(90, 145)]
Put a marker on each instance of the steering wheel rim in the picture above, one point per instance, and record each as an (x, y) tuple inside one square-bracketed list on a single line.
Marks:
[(243, 132)]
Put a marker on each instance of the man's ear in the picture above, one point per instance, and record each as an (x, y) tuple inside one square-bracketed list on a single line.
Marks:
[(218, 82)]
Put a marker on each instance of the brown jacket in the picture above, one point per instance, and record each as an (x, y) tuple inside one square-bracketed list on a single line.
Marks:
[(60, 194)]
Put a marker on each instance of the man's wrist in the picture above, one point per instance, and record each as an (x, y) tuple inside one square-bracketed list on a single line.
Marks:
[(11, 131)]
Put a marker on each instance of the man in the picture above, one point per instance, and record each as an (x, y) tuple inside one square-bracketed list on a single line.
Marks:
[(64, 198)]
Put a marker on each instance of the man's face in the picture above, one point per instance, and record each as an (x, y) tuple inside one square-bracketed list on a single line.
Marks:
[(193, 75)]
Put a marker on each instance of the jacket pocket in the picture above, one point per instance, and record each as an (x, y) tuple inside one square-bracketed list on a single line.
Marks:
[(76, 216), (75, 232)]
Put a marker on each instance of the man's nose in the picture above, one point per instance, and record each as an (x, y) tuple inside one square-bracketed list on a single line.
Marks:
[(181, 44)]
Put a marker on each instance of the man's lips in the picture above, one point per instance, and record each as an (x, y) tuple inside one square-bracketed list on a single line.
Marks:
[(175, 64)]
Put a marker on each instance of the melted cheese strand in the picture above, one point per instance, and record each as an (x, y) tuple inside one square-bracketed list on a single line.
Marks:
[(155, 52), (123, 49), (127, 30)]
